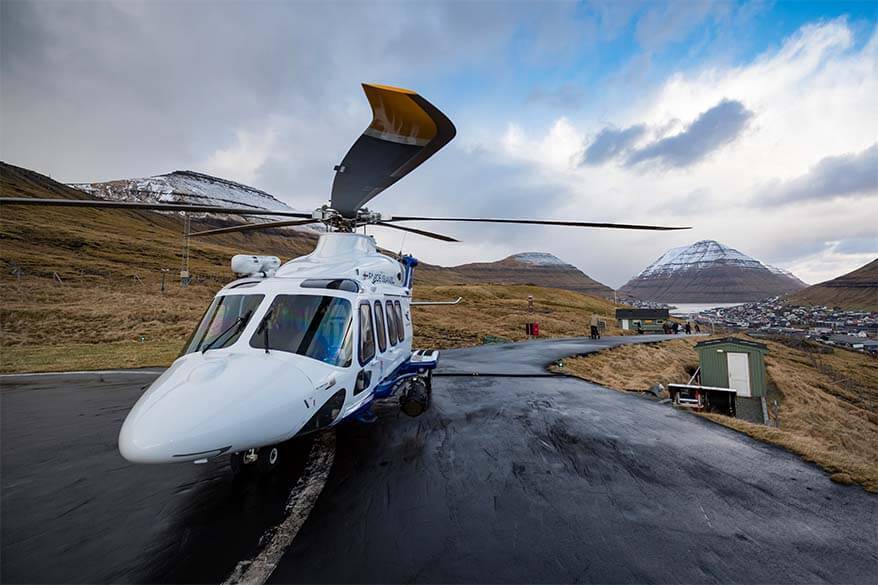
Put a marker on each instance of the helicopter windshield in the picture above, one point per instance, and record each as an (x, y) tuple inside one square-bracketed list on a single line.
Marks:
[(318, 327), (223, 322)]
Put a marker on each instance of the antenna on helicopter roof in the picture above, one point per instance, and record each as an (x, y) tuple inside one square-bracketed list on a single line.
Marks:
[(402, 244)]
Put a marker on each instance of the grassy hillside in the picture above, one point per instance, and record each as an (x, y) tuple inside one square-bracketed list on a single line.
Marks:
[(828, 402), (108, 311), (855, 290), (502, 311)]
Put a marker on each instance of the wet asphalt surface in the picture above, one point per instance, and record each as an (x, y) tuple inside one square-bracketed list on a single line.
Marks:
[(512, 476)]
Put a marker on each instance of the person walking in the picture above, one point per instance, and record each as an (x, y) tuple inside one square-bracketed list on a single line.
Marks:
[(688, 328), (676, 328)]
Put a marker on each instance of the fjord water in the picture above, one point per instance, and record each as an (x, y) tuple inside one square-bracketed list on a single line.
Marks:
[(688, 309)]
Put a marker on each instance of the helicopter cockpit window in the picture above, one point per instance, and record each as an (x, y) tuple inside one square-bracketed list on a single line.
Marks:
[(314, 326), (223, 322)]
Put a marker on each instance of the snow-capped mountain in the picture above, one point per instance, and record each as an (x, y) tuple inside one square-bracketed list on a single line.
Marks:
[(186, 187), (539, 268), (708, 271)]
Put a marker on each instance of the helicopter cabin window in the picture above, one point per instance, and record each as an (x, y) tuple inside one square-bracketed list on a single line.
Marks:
[(379, 326), (314, 326), (367, 336), (223, 322), (400, 324), (391, 323)]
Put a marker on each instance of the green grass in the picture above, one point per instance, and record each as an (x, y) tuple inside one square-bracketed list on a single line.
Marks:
[(88, 356)]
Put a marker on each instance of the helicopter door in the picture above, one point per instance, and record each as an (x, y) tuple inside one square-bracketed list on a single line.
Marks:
[(367, 377)]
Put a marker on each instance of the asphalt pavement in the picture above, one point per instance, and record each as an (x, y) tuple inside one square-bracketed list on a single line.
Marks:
[(511, 476)]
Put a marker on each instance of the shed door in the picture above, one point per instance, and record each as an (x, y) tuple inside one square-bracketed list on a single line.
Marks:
[(739, 373)]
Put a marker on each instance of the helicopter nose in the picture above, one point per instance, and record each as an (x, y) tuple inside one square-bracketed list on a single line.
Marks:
[(206, 407), (155, 437)]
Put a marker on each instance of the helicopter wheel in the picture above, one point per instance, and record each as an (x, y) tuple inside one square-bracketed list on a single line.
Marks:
[(415, 398), (269, 458)]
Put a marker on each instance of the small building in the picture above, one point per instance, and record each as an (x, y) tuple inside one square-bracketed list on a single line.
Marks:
[(737, 364), (854, 342), (646, 319)]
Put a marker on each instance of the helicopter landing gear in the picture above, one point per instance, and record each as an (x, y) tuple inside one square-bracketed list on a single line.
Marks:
[(265, 460), (415, 397), (268, 458)]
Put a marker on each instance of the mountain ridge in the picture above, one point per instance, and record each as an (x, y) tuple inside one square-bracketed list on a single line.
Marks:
[(857, 289), (539, 268)]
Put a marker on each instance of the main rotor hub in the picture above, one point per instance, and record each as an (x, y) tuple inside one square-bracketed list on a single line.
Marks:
[(335, 219)]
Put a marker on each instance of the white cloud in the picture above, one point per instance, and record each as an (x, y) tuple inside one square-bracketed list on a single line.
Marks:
[(243, 160), (812, 98)]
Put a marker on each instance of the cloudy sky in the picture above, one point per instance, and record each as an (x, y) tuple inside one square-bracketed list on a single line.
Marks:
[(755, 122)]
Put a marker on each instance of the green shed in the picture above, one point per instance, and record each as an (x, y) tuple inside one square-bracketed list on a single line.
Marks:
[(733, 363), (737, 364)]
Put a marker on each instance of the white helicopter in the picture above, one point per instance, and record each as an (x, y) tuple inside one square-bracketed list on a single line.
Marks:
[(293, 349)]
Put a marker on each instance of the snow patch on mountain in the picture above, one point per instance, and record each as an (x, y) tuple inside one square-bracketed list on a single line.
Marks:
[(539, 259), (184, 187), (189, 187), (708, 271)]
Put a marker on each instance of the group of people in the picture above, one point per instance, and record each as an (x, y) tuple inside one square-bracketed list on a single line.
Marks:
[(673, 327)]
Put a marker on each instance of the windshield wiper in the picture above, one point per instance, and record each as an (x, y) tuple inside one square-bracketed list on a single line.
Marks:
[(237, 326), (263, 327)]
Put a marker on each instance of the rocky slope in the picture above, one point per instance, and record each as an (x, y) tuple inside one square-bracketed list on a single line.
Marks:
[(706, 272), (854, 290), (537, 268)]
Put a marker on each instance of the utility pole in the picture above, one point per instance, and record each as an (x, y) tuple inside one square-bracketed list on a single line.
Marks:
[(184, 267)]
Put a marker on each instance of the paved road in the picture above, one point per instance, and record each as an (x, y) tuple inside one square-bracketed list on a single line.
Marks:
[(505, 479), (528, 359)]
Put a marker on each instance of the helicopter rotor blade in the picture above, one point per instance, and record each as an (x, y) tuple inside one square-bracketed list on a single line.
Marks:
[(417, 231), (405, 131), (104, 204), (592, 224), (253, 227)]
